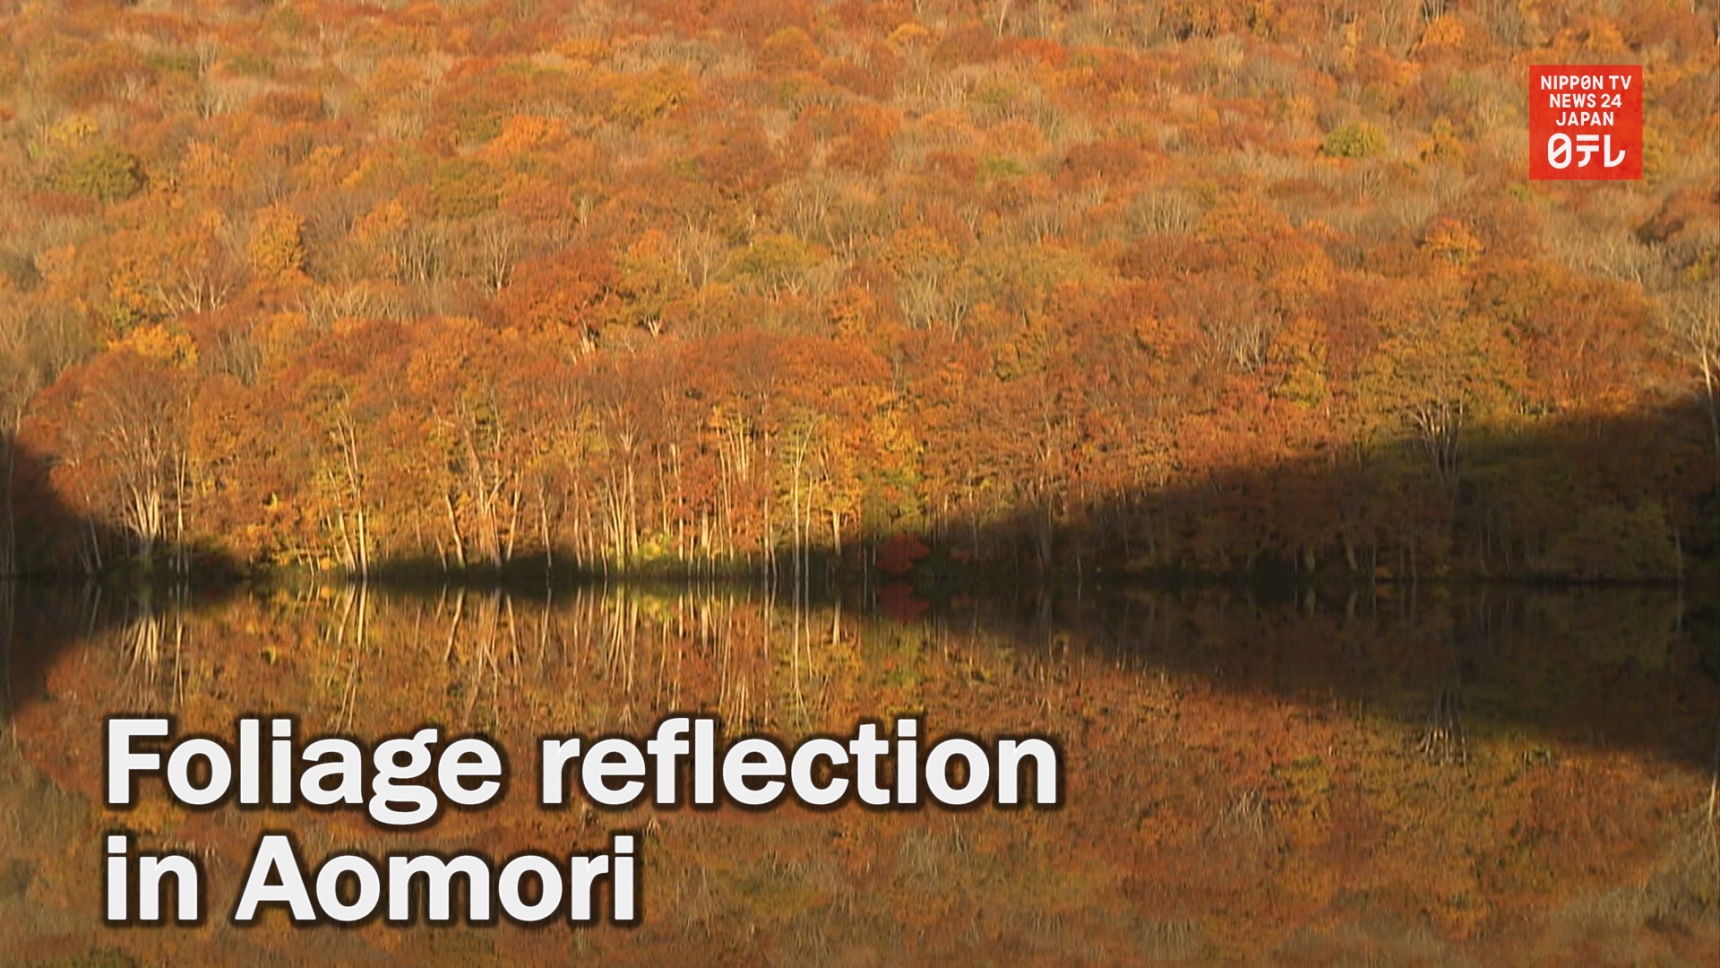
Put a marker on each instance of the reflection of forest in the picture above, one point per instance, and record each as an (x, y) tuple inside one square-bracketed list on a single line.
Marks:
[(1395, 775)]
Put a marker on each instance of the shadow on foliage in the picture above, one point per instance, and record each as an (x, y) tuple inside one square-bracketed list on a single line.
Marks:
[(1626, 498), (1560, 582)]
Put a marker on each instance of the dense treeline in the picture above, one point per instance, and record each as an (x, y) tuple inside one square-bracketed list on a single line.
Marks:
[(637, 285)]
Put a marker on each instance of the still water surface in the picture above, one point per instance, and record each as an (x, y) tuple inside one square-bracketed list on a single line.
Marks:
[(1448, 776)]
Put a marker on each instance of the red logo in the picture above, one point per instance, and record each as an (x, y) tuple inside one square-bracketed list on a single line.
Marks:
[(1585, 121)]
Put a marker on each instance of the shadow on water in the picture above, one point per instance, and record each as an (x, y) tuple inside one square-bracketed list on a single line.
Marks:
[(1606, 669), (1630, 669)]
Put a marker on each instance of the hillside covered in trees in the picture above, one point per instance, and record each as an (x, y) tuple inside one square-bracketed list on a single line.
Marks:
[(1195, 286)]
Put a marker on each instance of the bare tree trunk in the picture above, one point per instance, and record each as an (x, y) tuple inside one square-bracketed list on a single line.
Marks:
[(543, 527), (454, 529), (181, 560), (9, 565), (1708, 380), (513, 521)]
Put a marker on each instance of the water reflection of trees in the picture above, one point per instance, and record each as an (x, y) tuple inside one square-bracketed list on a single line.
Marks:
[(1472, 756), (1623, 668)]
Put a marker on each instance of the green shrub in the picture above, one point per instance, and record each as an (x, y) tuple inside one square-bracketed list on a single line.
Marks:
[(1354, 139), (108, 173)]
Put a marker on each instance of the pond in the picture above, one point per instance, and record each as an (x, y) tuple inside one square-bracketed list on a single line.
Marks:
[(1439, 775)]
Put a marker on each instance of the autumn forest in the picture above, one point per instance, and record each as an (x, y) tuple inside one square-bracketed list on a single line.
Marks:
[(1201, 383), (1221, 288)]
